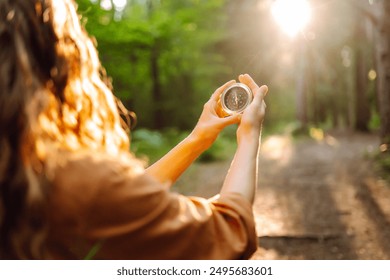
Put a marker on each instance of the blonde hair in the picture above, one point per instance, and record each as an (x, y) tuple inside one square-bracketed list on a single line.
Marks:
[(54, 95), (88, 118)]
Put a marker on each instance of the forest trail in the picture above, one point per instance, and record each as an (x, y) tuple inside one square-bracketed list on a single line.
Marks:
[(317, 199)]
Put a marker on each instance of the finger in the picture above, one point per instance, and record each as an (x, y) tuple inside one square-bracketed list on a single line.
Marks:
[(215, 96), (263, 90), (246, 79), (233, 119), (260, 94)]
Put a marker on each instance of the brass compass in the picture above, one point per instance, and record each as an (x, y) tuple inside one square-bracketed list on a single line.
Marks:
[(236, 98)]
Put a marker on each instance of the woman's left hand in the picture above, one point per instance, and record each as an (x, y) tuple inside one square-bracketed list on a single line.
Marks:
[(210, 124)]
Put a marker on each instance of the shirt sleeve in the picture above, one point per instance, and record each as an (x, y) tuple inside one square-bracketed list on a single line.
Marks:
[(132, 216)]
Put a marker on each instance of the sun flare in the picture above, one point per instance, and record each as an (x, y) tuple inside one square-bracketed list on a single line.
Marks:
[(291, 15)]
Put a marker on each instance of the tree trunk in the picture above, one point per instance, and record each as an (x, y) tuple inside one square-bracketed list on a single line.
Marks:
[(335, 103), (383, 64), (301, 85), (362, 107), (156, 89)]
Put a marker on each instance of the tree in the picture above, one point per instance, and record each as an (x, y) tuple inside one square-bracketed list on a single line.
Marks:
[(160, 55), (383, 69), (378, 12), (362, 106)]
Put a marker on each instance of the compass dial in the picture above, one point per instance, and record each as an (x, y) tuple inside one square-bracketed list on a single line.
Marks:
[(236, 98)]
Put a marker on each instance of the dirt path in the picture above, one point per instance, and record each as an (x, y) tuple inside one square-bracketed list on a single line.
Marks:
[(317, 199)]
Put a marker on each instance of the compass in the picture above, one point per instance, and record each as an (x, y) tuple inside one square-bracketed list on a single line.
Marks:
[(236, 98)]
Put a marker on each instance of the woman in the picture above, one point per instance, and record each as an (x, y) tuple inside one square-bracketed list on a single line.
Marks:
[(69, 188)]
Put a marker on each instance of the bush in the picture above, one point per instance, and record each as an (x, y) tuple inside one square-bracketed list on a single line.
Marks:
[(152, 145), (382, 163), (222, 149), (148, 144)]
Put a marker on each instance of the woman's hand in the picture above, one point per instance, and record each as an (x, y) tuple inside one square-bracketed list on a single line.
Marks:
[(177, 160), (252, 117), (210, 124), (242, 175)]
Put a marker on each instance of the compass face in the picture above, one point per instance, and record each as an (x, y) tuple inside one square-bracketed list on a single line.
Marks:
[(236, 98)]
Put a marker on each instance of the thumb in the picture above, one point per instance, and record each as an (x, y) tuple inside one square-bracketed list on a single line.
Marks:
[(260, 94)]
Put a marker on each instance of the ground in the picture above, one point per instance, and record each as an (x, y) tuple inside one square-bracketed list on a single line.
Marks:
[(318, 197)]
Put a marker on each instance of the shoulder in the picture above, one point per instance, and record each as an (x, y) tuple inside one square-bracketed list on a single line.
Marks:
[(84, 184), (66, 164), (73, 173)]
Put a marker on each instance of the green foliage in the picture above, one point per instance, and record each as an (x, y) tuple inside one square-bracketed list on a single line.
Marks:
[(385, 163), (152, 144), (199, 44), (167, 57), (381, 162), (222, 149), (374, 121), (178, 34)]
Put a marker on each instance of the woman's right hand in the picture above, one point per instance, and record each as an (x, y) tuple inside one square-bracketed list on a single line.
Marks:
[(210, 123), (242, 175), (252, 118)]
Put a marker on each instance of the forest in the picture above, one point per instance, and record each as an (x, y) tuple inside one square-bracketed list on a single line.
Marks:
[(325, 156), (166, 57)]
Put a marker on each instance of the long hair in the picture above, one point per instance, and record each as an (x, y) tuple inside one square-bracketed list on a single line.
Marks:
[(53, 96)]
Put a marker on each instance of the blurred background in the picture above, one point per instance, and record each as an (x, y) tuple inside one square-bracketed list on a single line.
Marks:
[(321, 59), (325, 164)]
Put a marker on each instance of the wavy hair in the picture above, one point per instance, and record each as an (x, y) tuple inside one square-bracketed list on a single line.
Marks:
[(54, 95)]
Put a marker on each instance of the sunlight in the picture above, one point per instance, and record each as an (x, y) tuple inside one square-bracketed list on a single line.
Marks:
[(291, 15), (278, 148), (106, 5), (120, 4), (316, 133), (372, 75)]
